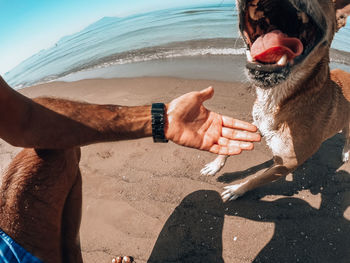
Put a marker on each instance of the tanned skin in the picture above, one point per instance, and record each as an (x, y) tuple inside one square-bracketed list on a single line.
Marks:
[(41, 192)]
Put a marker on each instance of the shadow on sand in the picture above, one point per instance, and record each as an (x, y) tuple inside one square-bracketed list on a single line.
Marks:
[(193, 233)]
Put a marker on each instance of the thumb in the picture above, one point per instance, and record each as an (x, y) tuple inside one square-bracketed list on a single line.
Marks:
[(206, 94)]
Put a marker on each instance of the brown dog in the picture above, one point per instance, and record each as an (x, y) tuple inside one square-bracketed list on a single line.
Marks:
[(300, 103)]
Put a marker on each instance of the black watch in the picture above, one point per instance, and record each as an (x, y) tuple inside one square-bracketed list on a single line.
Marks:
[(158, 122)]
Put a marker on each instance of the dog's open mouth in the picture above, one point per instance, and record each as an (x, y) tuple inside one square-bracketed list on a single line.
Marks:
[(278, 34)]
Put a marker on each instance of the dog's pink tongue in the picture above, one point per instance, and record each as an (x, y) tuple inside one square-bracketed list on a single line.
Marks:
[(269, 48)]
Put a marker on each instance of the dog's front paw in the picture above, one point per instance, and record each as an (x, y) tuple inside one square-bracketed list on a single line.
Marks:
[(233, 192), (212, 168), (346, 156)]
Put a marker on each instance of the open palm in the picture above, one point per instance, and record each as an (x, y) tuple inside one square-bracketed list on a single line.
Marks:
[(190, 124)]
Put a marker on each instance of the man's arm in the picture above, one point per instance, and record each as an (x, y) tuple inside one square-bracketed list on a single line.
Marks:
[(57, 123)]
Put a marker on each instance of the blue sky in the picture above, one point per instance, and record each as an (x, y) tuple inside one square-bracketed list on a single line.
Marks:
[(28, 26)]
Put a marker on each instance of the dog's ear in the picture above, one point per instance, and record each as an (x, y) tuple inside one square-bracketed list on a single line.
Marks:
[(342, 12)]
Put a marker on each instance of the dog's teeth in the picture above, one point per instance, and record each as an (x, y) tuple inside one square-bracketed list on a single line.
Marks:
[(283, 60), (303, 35), (253, 13), (304, 18), (249, 56)]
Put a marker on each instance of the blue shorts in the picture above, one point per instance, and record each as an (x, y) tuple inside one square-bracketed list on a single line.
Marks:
[(11, 252)]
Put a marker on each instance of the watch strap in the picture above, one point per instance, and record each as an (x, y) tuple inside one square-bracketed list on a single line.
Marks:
[(158, 122)]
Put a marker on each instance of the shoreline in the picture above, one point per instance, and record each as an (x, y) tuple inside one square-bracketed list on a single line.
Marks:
[(220, 68), (229, 68), (207, 59)]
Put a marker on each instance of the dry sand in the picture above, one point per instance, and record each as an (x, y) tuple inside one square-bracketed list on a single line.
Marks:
[(149, 200)]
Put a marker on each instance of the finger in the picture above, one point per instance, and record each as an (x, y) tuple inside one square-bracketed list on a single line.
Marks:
[(224, 150), (240, 135), (215, 149), (231, 143), (238, 124), (233, 150), (206, 94)]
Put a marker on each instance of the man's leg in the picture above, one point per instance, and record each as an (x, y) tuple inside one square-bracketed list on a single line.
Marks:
[(71, 224), (35, 206)]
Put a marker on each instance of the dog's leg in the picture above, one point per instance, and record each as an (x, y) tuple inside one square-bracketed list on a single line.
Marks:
[(274, 173), (346, 149), (215, 166), (34, 192)]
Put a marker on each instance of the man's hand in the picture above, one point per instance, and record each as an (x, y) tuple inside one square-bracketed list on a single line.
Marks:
[(190, 124)]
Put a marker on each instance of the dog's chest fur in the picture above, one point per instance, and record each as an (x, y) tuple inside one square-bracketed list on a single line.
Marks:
[(264, 111)]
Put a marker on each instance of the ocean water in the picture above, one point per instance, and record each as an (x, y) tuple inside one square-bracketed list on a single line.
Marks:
[(172, 33)]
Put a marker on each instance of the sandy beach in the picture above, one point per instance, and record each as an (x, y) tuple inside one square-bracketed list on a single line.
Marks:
[(149, 200)]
